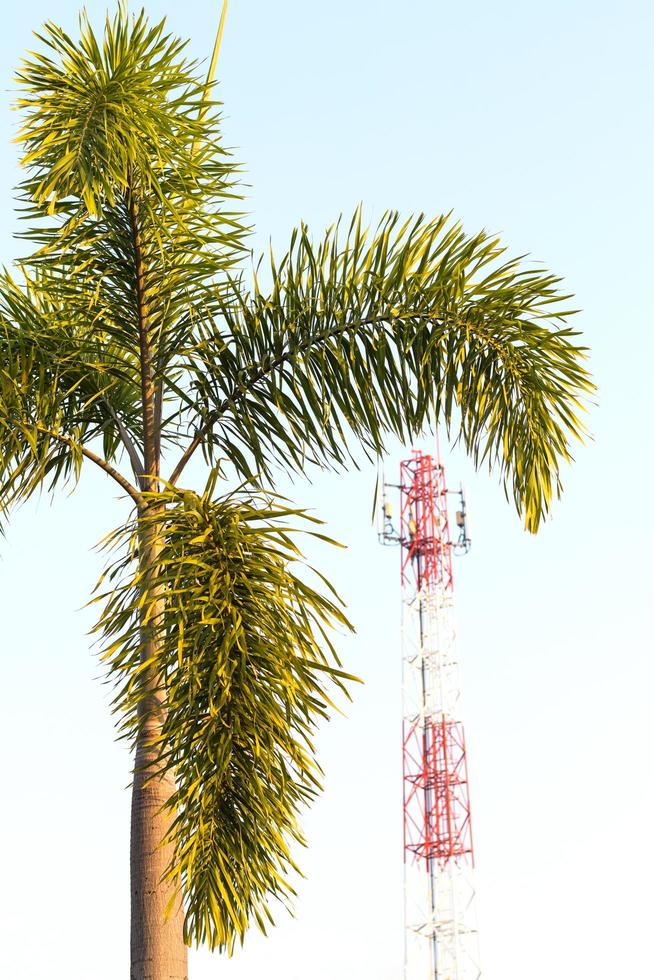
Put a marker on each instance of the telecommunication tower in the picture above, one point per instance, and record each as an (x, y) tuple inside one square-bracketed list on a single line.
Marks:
[(440, 929)]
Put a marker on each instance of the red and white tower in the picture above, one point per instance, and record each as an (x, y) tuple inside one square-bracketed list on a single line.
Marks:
[(440, 931)]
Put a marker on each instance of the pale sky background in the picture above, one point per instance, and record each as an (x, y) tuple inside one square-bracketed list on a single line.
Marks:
[(534, 121)]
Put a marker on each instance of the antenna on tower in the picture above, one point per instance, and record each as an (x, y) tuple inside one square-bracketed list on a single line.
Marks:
[(387, 533), (463, 543)]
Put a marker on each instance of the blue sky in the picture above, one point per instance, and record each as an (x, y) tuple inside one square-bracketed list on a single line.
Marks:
[(533, 121)]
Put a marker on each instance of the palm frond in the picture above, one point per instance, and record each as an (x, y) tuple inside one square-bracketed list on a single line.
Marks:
[(62, 389), (99, 111), (390, 333), (243, 662)]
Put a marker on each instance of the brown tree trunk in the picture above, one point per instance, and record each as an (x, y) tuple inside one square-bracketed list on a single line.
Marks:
[(158, 951)]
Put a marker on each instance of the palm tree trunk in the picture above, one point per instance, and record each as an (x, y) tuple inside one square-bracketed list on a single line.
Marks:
[(158, 951)]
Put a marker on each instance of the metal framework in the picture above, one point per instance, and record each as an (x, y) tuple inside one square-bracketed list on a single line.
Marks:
[(440, 931)]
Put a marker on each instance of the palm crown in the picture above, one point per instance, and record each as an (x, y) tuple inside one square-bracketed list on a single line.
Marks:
[(132, 335)]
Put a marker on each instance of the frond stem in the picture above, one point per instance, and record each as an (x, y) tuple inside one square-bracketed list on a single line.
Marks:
[(239, 391), (98, 460), (127, 441)]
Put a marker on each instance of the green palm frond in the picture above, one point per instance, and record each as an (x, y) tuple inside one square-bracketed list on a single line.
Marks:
[(386, 334), (99, 111), (243, 664), (61, 389)]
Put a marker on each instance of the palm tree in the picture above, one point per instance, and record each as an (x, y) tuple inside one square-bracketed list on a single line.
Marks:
[(132, 340)]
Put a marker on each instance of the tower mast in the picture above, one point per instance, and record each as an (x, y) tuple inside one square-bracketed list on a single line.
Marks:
[(440, 932)]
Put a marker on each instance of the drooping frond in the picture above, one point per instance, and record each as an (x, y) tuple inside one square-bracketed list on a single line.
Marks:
[(243, 664), (388, 334), (59, 391)]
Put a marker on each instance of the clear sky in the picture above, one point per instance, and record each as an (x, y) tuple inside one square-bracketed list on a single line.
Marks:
[(534, 121)]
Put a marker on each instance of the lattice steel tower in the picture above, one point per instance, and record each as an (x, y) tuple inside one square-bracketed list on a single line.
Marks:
[(440, 930)]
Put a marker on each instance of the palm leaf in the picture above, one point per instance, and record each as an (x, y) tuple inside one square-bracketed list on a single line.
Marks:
[(389, 334), (243, 663)]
